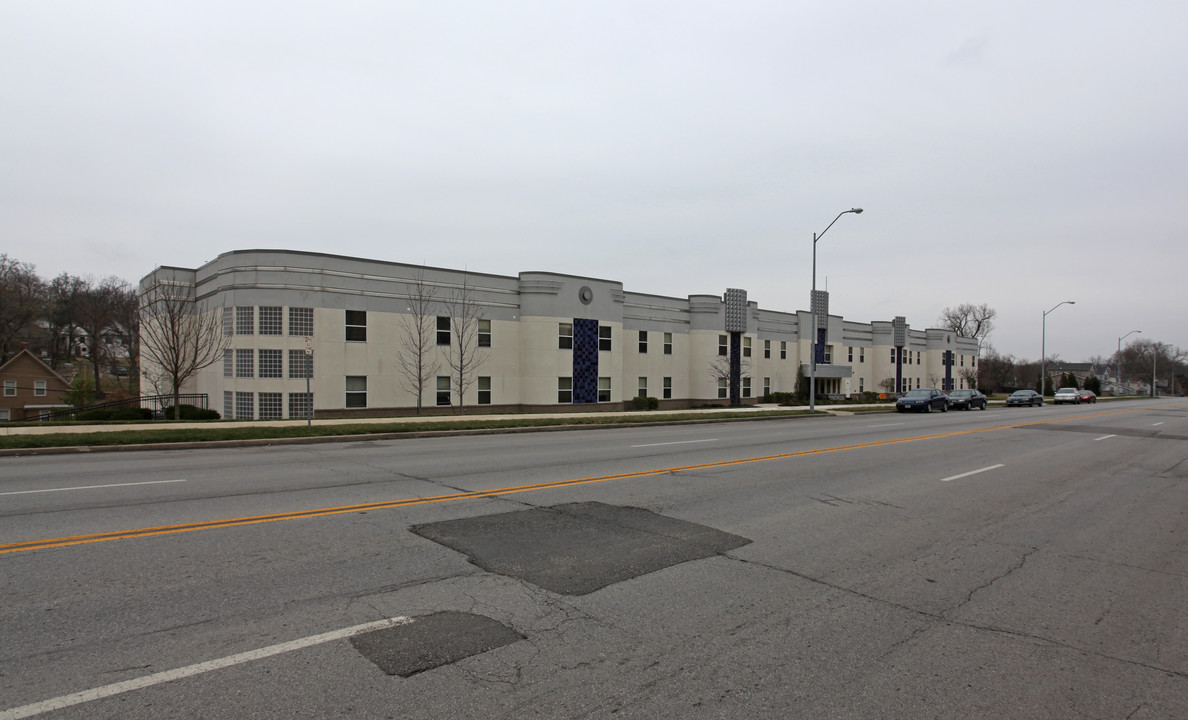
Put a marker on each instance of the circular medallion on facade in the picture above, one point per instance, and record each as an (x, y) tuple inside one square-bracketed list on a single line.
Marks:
[(586, 295)]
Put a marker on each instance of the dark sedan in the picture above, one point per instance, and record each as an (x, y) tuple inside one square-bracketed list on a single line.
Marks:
[(1025, 397), (922, 400), (967, 400)]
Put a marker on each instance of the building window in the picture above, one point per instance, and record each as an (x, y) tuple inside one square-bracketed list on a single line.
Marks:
[(919, 358), (244, 364), (245, 320), (667, 388), (39, 388), (356, 325), (564, 390), (443, 390), (272, 405), (271, 366), (667, 343), (892, 354), (5, 415), (861, 384), (604, 389), (228, 321), (356, 391), (484, 333), (643, 388), (861, 355), (766, 386), (272, 322), (766, 349), (850, 355), (723, 346), (228, 405), (643, 342), (301, 321), (723, 388), (783, 350), (245, 406), (746, 387), (565, 336), (300, 363), (746, 350), (300, 405), (443, 330), (484, 390), (228, 363), (828, 355), (604, 338)]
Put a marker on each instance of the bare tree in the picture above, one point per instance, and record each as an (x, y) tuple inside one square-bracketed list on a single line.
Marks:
[(418, 338), (719, 369), (125, 325), (179, 335), (96, 314), (465, 353), (21, 302), (61, 318), (968, 320), (887, 384)]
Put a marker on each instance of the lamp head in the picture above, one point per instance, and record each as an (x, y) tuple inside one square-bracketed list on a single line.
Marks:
[(856, 211)]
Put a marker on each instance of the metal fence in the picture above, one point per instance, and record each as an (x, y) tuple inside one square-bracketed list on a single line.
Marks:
[(156, 403)]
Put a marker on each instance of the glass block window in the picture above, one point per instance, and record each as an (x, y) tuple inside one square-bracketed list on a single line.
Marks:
[(244, 363), (301, 321), (271, 365), (484, 333), (300, 404), (604, 338), (228, 363), (228, 321), (723, 345), (245, 406), (564, 390), (565, 338), (245, 320), (484, 390), (667, 343), (443, 390), (272, 405), (604, 389), (228, 405), (272, 320), (356, 391), (356, 326), (643, 342), (299, 364), (443, 330), (667, 388)]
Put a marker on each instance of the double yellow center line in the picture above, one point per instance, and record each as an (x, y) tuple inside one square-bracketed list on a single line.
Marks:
[(407, 502)]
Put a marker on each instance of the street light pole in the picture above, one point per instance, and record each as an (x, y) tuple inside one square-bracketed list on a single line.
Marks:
[(1044, 348), (813, 310), (1118, 362)]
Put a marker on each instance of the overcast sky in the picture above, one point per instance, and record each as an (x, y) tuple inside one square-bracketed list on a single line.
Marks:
[(1016, 154)]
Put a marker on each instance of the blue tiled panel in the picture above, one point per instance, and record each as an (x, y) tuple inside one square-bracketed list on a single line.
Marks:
[(898, 369), (948, 370), (735, 367), (820, 349), (585, 361)]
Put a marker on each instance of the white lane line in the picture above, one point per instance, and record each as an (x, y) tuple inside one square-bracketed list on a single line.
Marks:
[(972, 472), (885, 425), (90, 487), (1158, 423), (1104, 437), (678, 442), (169, 675)]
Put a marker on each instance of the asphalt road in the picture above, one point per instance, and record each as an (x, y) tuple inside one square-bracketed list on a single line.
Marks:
[(1028, 562)]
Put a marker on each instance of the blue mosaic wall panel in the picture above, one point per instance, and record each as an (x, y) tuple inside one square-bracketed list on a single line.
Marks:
[(735, 367), (948, 371), (819, 350), (585, 361)]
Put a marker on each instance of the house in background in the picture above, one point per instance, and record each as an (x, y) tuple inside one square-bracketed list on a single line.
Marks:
[(31, 389)]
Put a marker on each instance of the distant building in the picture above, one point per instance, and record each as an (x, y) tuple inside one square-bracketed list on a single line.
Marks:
[(31, 389), (545, 341)]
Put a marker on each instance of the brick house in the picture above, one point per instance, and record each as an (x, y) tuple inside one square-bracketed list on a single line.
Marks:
[(30, 388)]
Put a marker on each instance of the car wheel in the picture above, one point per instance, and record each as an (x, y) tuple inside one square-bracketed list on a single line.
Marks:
[(945, 407), (928, 407)]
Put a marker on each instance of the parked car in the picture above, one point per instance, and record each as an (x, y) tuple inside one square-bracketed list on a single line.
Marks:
[(1088, 396), (922, 400), (1025, 397), (967, 400), (1067, 395)]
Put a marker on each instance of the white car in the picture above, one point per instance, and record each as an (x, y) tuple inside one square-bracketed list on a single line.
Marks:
[(1067, 395)]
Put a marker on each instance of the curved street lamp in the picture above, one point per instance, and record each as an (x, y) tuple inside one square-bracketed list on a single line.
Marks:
[(813, 310), (1044, 349), (1118, 362)]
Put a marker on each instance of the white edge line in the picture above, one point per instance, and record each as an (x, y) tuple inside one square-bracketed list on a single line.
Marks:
[(1104, 437), (169, 675), (678, 442), (1158, 423), (885, 425), (972, 472), (90, 487)]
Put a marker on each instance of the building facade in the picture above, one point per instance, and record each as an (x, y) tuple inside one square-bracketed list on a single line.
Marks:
[(538, 341), (31, 389)]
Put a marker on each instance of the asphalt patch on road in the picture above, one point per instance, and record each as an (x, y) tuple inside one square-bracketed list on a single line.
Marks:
[(577, 548), (432, 641)]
